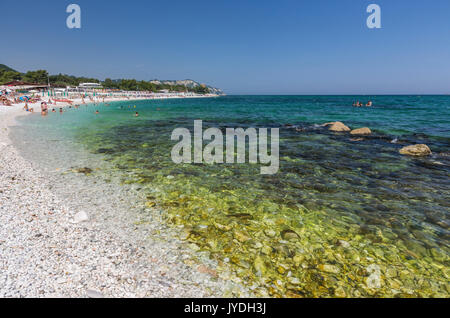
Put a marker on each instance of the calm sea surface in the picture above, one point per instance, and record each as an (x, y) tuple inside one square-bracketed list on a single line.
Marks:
[(342, 217)]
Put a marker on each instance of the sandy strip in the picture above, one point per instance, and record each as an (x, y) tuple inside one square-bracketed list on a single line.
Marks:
[(48, 249)]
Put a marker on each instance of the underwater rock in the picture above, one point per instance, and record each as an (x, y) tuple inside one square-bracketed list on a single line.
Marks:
[(282, 268), (150, 204), (416, 150), (194, 247), (270, 233), (241, 237), (86, 171), (340, 292), (266, 250), (391, 272), (289, 235), (185, 234), (222, 227), (282, 249), (361, 131), (343, 243), (243, 216), (337, 126), (298, 260), (328, 268), (259, 265), (294, 280)]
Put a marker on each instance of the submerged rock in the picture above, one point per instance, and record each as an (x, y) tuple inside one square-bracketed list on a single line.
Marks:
[(340, 292), (337, 126), (259, 265), (361, 131), (289, 235), (86, 171), (416, 150), (270, 232), (241, 236), (328, 268)]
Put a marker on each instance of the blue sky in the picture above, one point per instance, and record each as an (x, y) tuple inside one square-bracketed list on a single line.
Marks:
[(243, 47)]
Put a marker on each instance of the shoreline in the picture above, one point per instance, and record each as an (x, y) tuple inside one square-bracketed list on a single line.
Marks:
[(47, 249)]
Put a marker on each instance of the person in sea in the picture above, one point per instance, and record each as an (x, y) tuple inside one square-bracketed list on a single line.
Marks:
[(137, 114), (369, 103), (97, 112), (44, 109)]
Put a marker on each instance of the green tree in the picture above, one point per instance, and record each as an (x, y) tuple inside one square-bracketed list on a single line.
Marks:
[(39, 77), (9, 76)]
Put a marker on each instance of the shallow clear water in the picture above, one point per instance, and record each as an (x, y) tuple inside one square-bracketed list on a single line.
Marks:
[(341, 218)]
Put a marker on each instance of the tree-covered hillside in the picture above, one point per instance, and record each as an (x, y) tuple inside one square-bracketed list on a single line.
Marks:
[(7, 74)]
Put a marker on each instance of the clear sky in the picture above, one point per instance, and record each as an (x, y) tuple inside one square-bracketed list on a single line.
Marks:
[(241, 46)]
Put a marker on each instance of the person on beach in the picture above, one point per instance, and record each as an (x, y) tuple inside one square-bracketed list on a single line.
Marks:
[(28, 109)]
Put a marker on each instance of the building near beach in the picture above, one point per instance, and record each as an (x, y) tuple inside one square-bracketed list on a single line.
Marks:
[(90, 86), (18, 85)]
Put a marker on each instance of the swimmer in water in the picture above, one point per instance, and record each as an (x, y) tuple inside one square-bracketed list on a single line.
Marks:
[(137, 114), (60, 111), (97, 112)]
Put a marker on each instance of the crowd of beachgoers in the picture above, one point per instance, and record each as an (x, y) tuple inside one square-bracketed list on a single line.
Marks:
[(46, 102)]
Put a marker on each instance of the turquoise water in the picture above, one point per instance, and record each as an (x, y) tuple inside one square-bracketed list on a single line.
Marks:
[(337, 208)]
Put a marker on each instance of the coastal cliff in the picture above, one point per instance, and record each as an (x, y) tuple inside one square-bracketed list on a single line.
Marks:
[(188, 83)]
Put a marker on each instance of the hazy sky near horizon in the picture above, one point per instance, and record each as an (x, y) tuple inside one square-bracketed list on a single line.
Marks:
[(243, 47)]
